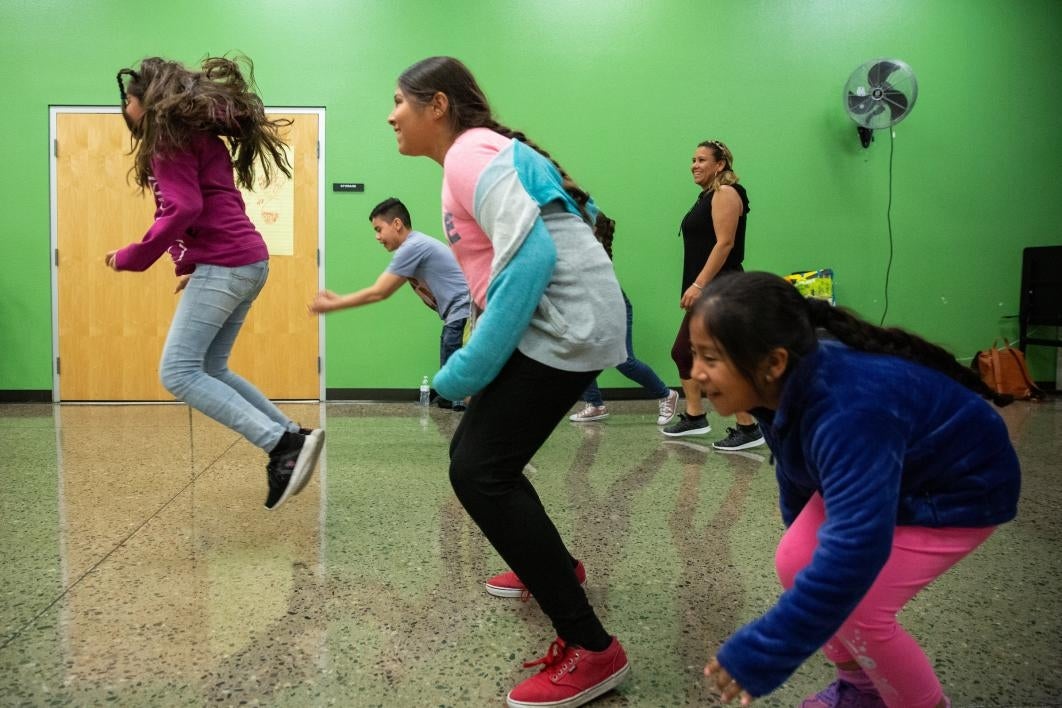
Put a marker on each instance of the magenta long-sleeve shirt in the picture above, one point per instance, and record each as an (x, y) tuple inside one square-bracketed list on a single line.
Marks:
[(199, 213)]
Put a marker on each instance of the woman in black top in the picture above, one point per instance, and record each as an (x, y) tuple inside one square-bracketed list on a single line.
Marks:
[(713, 237)]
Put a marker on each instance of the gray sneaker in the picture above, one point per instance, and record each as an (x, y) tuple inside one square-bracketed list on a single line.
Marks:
[(589, 413), (688, 425), (667, 406), (740, 439)]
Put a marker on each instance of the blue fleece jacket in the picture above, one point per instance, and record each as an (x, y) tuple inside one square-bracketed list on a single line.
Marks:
[(885, 442)]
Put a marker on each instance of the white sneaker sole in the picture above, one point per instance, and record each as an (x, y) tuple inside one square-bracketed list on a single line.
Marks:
[(499, 591), (304, 467), (502, 592), (318, 433), (694, 431), (735, 448), (579, 419), (579, 699)]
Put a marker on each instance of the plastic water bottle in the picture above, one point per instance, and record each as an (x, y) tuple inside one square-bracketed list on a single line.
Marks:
[(425, 392)]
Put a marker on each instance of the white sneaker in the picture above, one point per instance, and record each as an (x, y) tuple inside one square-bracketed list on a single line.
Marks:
[(589, 413), (667, 408)]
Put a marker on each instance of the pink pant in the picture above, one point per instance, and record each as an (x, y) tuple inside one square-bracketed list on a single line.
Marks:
[(871, 636)]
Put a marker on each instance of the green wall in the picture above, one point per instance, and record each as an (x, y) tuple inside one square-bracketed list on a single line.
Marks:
[(620, 91)]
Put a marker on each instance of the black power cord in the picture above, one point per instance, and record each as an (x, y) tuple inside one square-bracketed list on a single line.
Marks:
[(888, 219)]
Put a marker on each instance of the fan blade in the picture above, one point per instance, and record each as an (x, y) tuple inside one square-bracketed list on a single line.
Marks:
[(879, 73), (897, 103), (859, 104), (877, 110)]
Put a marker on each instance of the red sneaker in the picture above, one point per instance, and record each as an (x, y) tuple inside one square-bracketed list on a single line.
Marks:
[(507, 584), (571, 676)]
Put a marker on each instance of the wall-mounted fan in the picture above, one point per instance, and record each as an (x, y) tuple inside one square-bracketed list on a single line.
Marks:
[(880, 94)]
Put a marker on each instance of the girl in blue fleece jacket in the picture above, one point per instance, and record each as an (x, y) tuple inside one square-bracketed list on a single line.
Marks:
[(891, 468)]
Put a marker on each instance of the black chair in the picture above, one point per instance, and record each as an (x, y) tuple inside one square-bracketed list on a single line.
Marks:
[(1041, 294)]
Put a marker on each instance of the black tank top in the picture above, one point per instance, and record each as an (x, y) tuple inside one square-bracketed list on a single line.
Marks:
[(698, 237)]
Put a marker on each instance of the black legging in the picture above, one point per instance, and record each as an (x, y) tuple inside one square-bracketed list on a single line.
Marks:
[(505, 425), (682, 351)]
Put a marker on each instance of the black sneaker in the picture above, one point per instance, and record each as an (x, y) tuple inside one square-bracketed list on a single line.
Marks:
[(289, 469), (447, 404), (740, 438), (688, 425)]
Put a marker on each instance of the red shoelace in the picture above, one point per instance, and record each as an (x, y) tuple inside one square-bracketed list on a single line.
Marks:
[(558, 653)]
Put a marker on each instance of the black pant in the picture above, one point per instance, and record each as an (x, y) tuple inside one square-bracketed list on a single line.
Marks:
[(505, 424)]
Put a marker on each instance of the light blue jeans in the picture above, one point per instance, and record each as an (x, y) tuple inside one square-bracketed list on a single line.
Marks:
[(195, 359)]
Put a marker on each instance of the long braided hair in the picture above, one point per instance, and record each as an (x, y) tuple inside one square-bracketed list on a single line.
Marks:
[(751, 314), (219, 99), (604, 230), (469, 109)]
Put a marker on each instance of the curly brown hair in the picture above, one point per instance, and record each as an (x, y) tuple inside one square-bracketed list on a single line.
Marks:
[(179, 103)]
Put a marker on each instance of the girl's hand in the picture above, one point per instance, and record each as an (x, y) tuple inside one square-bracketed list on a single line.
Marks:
[(729, 688), (689, 298), (109, 260), (325, 301), (182, 283)]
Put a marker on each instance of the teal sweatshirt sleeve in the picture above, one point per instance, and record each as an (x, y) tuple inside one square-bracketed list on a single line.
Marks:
[(512, 298)]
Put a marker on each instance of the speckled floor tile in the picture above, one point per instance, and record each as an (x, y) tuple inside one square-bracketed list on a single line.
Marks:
[(29, 515), (140, 568)]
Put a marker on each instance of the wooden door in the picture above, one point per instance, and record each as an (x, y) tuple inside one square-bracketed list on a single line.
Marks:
[(112, 326)]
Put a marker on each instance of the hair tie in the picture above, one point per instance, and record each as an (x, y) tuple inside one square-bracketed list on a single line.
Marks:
[(121, 85)]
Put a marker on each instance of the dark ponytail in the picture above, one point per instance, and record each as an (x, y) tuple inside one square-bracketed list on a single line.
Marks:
[(751, 314), (604, 228), (577, 193), (860, 334), (469, 109)]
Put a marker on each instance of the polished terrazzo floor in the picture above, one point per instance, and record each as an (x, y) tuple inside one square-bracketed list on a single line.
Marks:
[(140, 569)]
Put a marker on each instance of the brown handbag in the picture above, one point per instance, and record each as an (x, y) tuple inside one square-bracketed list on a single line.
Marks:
[(1003, 370)]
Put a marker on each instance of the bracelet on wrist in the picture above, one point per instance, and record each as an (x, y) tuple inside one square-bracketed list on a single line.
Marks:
[(697, 285)]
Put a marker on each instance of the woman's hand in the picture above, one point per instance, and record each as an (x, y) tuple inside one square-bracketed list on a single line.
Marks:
[(109, 260), (325, 301), (689, 298), (729, 688), (182, 283)]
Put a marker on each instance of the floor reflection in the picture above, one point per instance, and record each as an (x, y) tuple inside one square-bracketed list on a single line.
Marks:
[(140, 567)]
